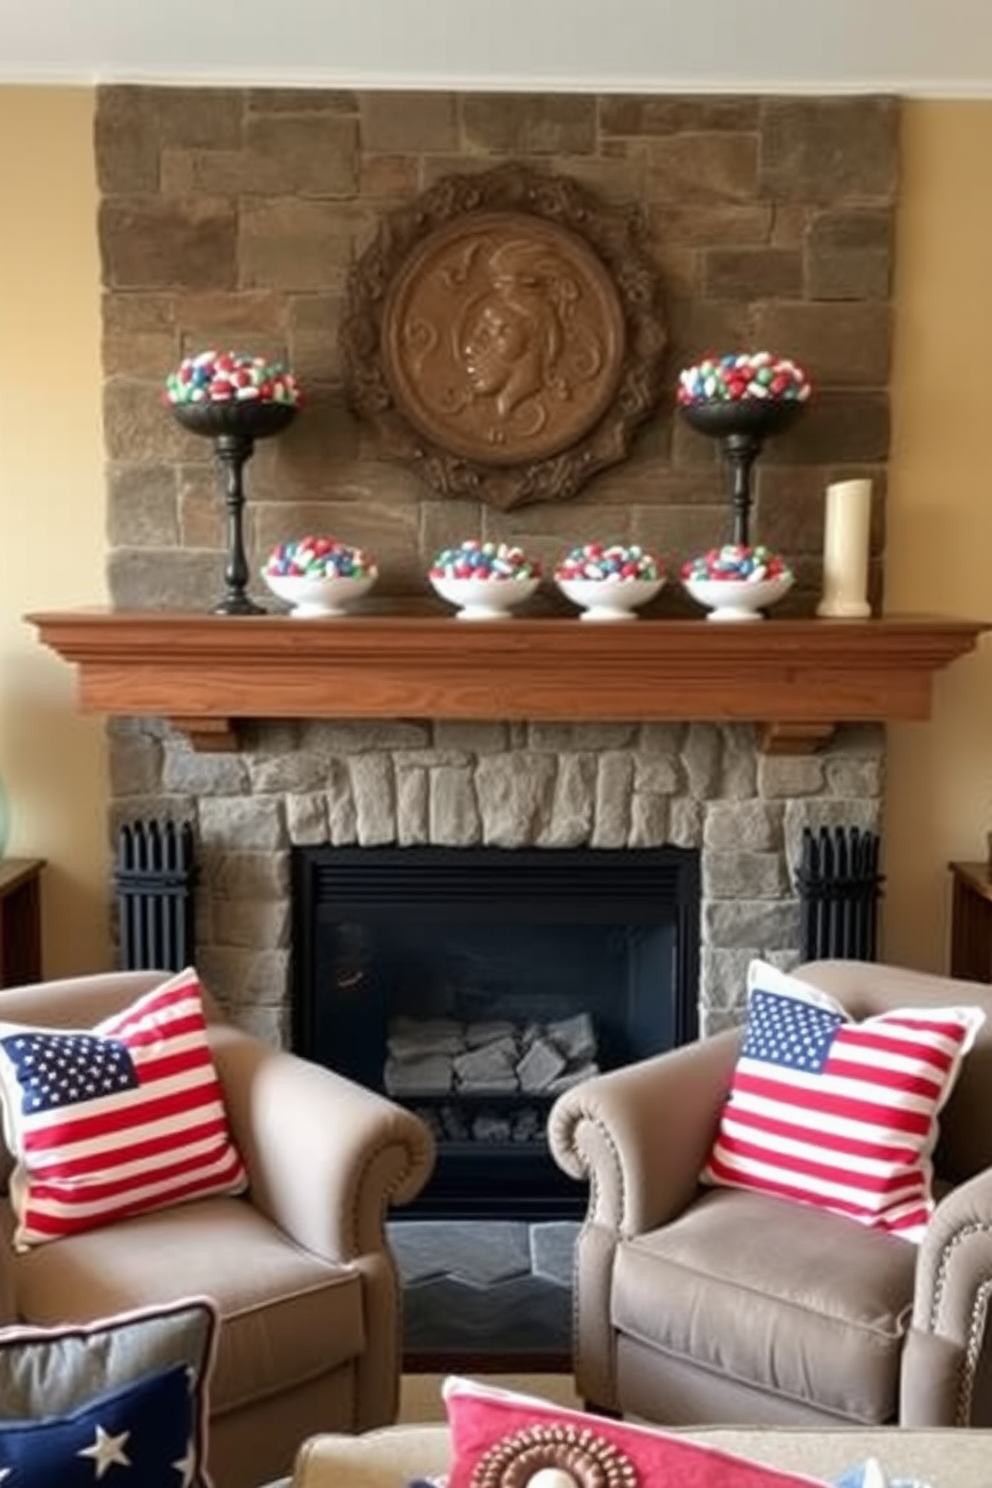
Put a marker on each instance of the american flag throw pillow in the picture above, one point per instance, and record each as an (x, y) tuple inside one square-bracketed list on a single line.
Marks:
[(836, 1113), (108, 1122)]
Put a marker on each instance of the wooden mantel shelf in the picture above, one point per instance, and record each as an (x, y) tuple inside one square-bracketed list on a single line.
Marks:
[(796, 678)]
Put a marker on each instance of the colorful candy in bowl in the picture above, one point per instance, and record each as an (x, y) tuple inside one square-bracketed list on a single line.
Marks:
[(609, 581), (230, 377), (321, 577), (485, 580), (742, 392), (737, 581)]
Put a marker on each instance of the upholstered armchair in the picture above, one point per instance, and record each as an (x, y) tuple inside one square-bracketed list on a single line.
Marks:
[(699, 1305), (297, 1265)]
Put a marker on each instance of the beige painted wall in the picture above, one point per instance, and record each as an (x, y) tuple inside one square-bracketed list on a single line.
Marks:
[(51, 499), (939, 548), (940, 516)]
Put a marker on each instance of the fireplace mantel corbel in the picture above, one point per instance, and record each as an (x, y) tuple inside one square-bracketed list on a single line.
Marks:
[(797, 679)]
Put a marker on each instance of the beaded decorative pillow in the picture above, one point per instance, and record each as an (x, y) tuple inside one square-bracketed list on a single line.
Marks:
[(503, 1440)]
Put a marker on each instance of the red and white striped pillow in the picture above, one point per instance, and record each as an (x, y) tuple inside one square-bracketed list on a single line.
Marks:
[(836, 1113), (108, 1122)]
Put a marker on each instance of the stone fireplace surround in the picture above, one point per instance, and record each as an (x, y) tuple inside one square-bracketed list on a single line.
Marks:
[(606, 785), (232, 216)]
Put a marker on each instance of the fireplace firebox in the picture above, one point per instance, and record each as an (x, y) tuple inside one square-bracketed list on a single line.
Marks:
[(474, 984)]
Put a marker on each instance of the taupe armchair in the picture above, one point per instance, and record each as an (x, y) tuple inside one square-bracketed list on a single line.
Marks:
[(701, 1306), (298, 1267)]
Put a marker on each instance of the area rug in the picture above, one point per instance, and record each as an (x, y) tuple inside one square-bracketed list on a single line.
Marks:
[(484, 1294)]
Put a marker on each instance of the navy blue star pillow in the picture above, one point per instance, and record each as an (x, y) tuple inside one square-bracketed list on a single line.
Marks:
[(123, 1400)]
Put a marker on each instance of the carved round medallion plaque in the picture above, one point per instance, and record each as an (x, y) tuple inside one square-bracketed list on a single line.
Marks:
[(502, 334), (503, 337)]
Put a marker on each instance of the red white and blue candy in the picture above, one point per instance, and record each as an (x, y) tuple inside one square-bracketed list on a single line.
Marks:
[(605, 561), (313, 557), (736, 563), (738, 376), (476, 559), (231, 376)]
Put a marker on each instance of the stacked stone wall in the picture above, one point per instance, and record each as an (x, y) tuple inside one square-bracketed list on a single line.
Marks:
[(701, 786), (232, 217)]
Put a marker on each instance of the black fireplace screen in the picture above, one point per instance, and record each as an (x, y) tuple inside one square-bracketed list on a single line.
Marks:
[(473, 985)]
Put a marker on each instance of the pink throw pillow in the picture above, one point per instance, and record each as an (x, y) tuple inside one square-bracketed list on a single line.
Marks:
[(499, 1439)]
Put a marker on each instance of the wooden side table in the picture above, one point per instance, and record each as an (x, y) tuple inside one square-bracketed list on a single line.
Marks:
[(971, 921), (20, 920)]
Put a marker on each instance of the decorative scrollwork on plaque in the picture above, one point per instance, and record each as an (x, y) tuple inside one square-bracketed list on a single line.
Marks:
[(502, 335)]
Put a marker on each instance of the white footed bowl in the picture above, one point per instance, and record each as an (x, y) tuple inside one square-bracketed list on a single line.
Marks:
[(318, 598), (738, 599), (485, 599), (609, 599)]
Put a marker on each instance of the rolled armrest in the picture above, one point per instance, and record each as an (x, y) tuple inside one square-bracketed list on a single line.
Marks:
[(955, 1262), (954, 1280), (376, 1459), (325, 1156), (641, 1133)]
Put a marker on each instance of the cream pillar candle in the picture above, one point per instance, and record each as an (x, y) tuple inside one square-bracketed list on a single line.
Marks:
[(846, 537)]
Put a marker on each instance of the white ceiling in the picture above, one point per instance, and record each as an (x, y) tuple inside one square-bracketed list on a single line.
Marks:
[(928, 47)]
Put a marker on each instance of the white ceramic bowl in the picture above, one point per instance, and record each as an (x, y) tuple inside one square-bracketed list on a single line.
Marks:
[(738, 599), (485, 599), (610, 599), (315, 598)]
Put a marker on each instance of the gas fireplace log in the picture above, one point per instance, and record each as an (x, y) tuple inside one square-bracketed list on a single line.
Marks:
[(409, 1038), (428, 1074), (490, 1057), (574, 1036), (492, 1066), (540, 1066), (572, 1077), (489, 1031)]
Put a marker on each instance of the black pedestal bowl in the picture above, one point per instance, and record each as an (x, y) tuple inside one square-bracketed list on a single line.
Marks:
[(234, 426)]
